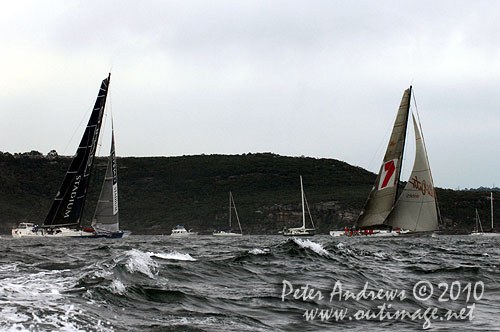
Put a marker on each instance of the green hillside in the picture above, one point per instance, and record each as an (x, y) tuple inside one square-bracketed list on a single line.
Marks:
[(157, 193)]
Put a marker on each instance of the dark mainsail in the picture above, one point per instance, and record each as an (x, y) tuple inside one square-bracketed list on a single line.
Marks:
[(68, 205)]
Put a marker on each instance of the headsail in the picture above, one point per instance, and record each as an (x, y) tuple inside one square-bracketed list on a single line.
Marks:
[(416, 209), (106, 218), (68, 205), (383, 195)]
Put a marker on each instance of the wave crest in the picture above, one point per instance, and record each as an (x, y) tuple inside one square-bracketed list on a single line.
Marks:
[(257, 251), (173, 255), (308, 244), (142, 262)]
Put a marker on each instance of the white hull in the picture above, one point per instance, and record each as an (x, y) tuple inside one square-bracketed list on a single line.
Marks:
[(18, 233), (181, 231), (226, 234), (183, 234), (484, 234), (299, 232), (377, 233)]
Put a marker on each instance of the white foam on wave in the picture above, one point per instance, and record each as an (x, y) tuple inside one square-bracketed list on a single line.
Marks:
[(117, 287), (316, 247), (8, 268), (173, 255), (342, 247), (103, 273), (44, 294), (45, 285), (142, 262), (257, 251), (380, 254)]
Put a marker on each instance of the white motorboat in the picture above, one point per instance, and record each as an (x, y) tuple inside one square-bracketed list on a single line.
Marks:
[(180, 231)]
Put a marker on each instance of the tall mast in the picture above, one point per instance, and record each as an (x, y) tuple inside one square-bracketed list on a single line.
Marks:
[(230, 208), (477, 224), (303, 209), (403, 149), (95, 147), (491, 196)]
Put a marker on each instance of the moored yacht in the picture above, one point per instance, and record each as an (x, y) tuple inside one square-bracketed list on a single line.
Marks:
[(229, 231), (301, 231)]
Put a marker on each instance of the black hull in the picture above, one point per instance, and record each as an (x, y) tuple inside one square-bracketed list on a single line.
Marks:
[(117, 235)]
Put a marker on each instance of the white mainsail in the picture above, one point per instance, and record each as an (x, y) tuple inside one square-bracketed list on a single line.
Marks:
[(416, 209), (383, 194), (106, 219)]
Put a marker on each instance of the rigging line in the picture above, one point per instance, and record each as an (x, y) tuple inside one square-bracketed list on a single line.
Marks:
[(307, 205), (85, 115), (103, 128), (382, 143), (107, 107), (379, 153)]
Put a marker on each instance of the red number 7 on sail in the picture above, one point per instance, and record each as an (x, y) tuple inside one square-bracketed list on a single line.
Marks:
[(388, 173)]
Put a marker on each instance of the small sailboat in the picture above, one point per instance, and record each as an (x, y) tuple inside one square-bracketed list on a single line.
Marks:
[(478, 231), (229, 231), (301, 231), (106, 219), (388, 212), (180, 231), (65, 214)]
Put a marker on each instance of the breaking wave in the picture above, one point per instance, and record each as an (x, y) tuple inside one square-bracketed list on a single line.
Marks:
[(142, 262), (173, 255), (308, 244)]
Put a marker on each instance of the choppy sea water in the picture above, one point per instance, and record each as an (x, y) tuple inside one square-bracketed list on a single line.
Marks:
[(252, 283)]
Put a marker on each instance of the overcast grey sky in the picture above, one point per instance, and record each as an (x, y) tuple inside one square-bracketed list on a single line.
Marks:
[(314, 78)]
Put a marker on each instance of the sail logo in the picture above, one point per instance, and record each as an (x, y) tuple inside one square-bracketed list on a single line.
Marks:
[(424, 187), (115, 199), (388, 174), (72, 196), (113, 168)]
